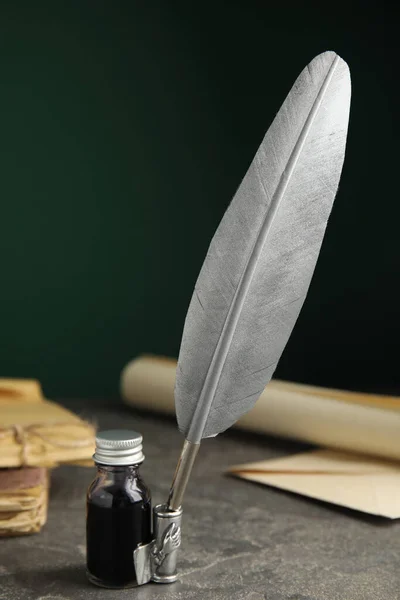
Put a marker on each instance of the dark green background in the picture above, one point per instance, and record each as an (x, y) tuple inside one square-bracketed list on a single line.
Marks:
[(126, 128)]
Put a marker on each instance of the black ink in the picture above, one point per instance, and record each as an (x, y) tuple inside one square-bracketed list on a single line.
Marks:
[(118, 519)]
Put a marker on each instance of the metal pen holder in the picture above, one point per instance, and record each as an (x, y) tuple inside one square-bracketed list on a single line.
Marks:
[(156, 561)]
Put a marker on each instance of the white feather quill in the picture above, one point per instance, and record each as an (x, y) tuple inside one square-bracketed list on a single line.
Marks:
[(261, 260)]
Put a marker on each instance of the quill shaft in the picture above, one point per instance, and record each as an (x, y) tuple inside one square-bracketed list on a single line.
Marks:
[(182, 474)]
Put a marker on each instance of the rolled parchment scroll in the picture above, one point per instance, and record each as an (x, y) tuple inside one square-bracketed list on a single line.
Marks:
[(363, 423)]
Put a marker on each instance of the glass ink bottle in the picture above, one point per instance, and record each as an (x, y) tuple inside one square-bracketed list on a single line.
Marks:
[(118, 510)]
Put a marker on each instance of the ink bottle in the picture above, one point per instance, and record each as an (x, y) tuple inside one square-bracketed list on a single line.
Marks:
[(118, 510)]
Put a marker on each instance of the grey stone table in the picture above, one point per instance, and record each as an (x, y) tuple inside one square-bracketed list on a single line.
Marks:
[(241, 541)]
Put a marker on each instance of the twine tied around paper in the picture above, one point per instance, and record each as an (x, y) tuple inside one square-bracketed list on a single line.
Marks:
[(20, 435)]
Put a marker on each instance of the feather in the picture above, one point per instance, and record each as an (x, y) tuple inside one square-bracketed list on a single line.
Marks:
[(261, 260)]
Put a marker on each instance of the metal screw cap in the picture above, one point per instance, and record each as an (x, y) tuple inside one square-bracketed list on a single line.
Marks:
[(118, 447)]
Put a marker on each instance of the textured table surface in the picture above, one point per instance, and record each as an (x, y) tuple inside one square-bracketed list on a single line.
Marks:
[(241, 541)]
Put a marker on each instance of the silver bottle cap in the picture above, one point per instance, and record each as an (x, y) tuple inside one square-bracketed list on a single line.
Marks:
[(118, 447)]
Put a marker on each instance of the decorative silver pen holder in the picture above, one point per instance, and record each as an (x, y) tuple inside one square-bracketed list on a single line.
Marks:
[(156, 561)]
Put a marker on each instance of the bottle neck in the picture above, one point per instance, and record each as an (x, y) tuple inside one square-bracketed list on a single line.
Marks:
[(117, 471)]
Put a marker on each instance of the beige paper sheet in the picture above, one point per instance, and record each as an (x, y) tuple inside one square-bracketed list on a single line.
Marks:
[(25, 390), (358, 482)]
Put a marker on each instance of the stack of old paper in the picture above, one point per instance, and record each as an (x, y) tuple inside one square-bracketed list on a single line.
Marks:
[(361, 469), (34, 433), (42, 434), (23, 500), (37, 432)]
